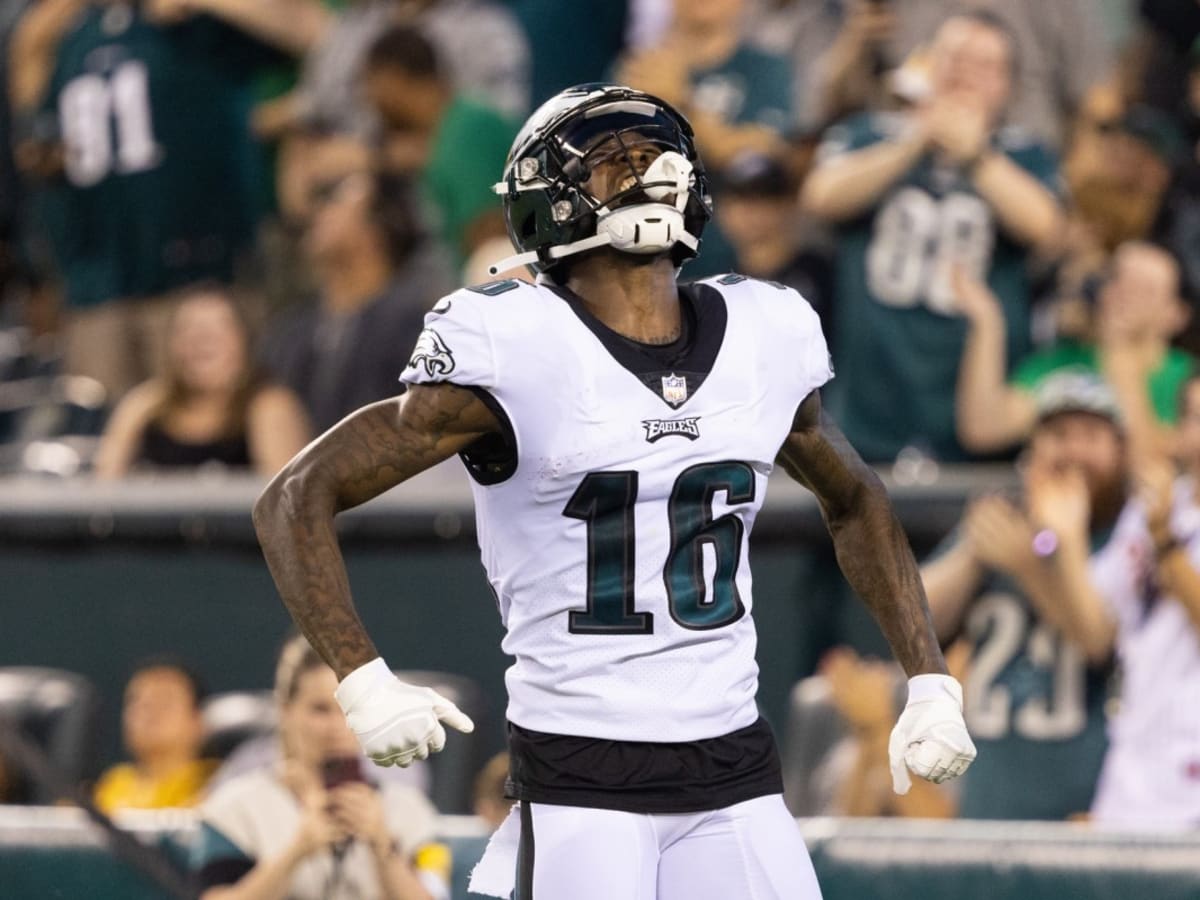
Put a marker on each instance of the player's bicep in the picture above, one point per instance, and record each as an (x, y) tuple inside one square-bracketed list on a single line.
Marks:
[(388, 442), (817, 454)]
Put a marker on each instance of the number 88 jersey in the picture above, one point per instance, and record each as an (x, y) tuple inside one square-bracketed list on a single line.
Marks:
[(614, 522)]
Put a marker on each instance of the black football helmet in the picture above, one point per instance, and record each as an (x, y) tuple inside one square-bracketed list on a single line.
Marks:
[(549, 214)]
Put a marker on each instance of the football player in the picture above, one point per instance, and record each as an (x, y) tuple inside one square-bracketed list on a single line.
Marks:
[(619, 429)]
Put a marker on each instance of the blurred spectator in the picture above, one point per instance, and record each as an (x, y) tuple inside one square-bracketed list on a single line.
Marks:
[(490, 801), (800, 31), (162, 731), (12, 785), (1016, 581), (1178, 226), (377, 275), (852, 75), (484, 51), (1150, 581), (756, 207), (135, 122), (736, 96), (211, 406), (13, 201), (1062, 50), (1169, 33), (455, 145), (914, 194), (1138, 310), (1118, 171), (557, 63), (315, 826)]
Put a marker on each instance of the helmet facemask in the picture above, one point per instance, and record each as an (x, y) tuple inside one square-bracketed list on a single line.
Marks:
[(660, 207)]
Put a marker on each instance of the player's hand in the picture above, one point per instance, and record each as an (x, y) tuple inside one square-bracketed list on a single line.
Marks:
[(931, 737), (395, 722)]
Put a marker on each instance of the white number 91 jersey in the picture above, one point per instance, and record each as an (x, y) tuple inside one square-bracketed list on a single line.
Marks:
[(615, 531)]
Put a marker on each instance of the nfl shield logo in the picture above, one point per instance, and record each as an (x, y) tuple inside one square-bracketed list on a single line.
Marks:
[(674, 388)]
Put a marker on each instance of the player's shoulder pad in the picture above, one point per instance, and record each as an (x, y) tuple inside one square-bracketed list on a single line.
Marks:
[(734, 284), (487, 296)]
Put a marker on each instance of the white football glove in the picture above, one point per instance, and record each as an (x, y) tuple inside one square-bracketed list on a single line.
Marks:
[(931, 737), (395, 722)]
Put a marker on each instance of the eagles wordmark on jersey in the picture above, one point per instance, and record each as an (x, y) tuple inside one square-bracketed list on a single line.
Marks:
[(616, 541)]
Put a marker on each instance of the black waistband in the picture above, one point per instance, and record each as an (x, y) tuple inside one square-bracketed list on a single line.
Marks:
[(643, 776)]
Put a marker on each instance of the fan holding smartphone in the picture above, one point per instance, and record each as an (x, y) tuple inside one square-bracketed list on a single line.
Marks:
[(315, 826)]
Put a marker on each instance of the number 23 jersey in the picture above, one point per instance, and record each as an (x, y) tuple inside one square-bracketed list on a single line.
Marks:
[(614, 524)]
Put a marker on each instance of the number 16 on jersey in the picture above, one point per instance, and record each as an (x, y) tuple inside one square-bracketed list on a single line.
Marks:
[(605, 501)]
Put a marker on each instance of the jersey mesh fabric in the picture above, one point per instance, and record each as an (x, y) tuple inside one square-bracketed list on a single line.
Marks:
[(577, 415)]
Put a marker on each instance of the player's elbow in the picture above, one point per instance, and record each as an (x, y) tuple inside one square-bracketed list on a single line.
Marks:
[(867, 500), (287, 493)]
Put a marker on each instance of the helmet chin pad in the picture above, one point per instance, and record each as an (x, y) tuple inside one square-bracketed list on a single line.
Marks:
[(651, 227), (670, 173), (642, 227)]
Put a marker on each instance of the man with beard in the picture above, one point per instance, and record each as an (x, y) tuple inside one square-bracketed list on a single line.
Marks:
[(1017, 582)]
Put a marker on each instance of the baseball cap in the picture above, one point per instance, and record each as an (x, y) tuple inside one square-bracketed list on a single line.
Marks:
[(1084, 392), (1157, 129), (754, 174)]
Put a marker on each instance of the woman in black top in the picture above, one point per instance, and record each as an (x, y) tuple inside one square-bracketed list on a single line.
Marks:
[(209, 407)]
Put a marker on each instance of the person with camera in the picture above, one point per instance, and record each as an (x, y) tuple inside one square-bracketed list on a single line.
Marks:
[(314, 827)]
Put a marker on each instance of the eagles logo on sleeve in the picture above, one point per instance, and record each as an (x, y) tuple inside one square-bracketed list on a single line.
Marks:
[(432, 353)]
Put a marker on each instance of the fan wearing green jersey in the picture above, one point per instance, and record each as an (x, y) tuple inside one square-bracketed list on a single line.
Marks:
[(912, 194), (147, 181)]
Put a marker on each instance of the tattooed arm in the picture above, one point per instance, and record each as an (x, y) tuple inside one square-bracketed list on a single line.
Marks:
[(371, 451), (871, 547)]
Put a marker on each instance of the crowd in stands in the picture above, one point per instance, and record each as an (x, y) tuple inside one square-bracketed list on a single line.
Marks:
[(329, 165), (228, 217)]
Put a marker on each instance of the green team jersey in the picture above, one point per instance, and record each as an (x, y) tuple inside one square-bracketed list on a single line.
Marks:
[(898, 336), (752, 87), (1162, 385), (1034, 708), (161, 180), (466, 158)]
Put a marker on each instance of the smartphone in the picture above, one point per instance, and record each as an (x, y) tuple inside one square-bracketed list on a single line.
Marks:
[(341, 770)]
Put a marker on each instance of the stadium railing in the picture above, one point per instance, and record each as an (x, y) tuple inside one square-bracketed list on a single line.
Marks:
[(99, 575), (54, 852)]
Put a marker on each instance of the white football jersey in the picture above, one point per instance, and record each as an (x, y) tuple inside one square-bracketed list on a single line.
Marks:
[(617, 545), (1151, 775)]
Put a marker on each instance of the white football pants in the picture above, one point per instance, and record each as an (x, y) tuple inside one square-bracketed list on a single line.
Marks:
[(748, 851)]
